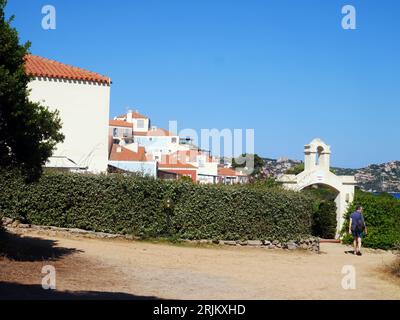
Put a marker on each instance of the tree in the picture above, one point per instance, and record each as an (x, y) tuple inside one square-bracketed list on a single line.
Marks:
[(29, 132), (258, 164), (296, 169)]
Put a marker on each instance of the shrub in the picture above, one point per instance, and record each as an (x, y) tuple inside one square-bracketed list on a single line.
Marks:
[(382, 217), (324, 223), (324, 220), (147, 207)]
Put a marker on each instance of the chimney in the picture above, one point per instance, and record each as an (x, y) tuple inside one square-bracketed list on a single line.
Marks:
[(129, 116)]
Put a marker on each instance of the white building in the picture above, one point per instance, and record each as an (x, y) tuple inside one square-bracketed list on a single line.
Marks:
[(83, 99), (316, 172), (163, 147)]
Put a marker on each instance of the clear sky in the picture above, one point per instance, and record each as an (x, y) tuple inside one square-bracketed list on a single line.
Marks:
[(284, 68)]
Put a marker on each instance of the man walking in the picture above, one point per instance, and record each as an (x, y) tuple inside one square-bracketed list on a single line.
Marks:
[(357, 228)]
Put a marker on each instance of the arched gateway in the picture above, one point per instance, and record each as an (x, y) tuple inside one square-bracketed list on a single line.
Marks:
[(317, 172)]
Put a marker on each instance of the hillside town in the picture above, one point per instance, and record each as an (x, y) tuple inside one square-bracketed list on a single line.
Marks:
[(128, 143), (135, 145)]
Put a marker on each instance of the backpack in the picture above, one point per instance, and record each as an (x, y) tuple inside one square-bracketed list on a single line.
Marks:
[(359, 225)]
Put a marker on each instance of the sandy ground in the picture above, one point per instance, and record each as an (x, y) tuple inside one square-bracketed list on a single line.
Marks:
[(117, 269)]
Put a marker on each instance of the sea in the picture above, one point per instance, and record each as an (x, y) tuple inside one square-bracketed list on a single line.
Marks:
[(394, 194)]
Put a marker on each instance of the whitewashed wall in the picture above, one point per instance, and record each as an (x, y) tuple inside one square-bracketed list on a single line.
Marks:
[(84, 110)]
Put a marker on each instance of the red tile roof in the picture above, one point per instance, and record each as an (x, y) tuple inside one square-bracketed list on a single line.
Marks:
[(41, 67), (176, 166), (228, 172), (126, 154), (169, 161), (120, 123)]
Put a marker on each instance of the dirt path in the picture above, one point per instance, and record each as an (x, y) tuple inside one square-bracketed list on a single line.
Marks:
[(92, 268)]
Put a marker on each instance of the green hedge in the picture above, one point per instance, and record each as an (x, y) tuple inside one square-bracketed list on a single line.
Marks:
[(324, 222), (147, 207), (382, 217)]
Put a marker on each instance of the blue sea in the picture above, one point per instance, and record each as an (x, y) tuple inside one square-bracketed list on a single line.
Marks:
[(394, 194)]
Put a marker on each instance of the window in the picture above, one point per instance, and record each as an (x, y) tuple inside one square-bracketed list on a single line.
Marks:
[(140, 124), (173, 140), (126, 133), (318, 157), (201, 162), (115, 132)]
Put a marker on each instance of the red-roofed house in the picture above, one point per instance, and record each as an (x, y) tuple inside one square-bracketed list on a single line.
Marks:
[(165, 148), (132, 160), (207, 167), (231, 176), (139, 122), (181, 169), (120, 131), (83, 100)]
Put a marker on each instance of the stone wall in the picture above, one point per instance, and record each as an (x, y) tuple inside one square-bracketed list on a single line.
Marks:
[(310, 244)]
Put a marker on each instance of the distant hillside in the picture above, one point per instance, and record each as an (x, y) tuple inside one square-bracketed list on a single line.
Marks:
[(376, 177)]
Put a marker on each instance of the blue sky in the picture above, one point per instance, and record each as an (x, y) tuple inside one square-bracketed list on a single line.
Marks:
[(284, 68)]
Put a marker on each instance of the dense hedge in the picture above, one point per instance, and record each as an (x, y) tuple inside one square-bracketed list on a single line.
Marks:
[(324, 223), (324, 220), (382, 217), (151, 208)]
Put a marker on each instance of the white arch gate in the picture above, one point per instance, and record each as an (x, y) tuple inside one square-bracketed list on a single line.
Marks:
[(317, 172)]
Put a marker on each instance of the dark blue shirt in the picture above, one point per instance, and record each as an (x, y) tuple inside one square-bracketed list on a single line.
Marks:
[(357, 220)]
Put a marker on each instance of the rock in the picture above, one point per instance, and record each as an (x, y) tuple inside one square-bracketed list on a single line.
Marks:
[(275, 242), (271, 246), (304, 246), (291, 246), (216, 242), (230, 243), (266, 243), (242, 243), (24, 226), (7, 221), (255, 243), (15, 224), (203, 242)]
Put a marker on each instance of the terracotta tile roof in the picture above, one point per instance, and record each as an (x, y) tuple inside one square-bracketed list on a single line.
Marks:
[(126, 154), (228, 172), (169, 161), (41, 67), (119, 123), (135, 115), (176, 166)]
